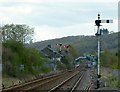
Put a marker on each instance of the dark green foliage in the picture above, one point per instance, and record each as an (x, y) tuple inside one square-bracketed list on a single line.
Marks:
[(15, 54), (109, 59), (118, 84), (61, 66), (17, 59), (14, 45), (45, 69), (113, 82), (66, 60)]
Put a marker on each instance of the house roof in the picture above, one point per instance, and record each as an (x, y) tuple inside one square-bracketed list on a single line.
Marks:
[(47, 51)]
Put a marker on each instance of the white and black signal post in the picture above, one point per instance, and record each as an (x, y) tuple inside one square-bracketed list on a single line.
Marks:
[(98, 34)]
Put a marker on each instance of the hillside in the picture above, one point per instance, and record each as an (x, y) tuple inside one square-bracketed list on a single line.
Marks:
[(83, 44)]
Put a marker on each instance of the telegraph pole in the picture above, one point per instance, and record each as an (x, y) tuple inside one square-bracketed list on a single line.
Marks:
[(98, 34)]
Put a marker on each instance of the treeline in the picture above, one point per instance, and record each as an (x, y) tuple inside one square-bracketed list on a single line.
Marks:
[(83, 44), (18, 60), (88, 45)]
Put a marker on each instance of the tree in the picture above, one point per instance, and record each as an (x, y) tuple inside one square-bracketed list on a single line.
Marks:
[(73, 51), (104, 31), (15, 54), (21, 33)]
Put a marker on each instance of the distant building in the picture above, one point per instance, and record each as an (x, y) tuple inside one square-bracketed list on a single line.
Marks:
[(52, 55)]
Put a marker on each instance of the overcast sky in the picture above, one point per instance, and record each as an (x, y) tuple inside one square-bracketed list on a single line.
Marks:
[(59, 18)]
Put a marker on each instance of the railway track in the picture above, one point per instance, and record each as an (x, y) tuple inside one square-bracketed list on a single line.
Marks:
[(31, 84), (70, 84), (67, 80), (39, 83)]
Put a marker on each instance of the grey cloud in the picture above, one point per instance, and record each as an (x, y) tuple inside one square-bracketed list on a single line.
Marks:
[(61, 14)]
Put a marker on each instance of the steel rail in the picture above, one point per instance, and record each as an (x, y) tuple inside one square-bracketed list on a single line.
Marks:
[(77, 82), (56, 87), (68, 79), (16, 87)]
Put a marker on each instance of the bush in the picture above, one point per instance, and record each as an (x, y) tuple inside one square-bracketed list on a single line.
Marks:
[(16, 54), (109, 59), (112, 81)]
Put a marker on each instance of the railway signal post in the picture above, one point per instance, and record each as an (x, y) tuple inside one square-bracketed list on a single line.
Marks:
[(60, 45), (67, 48), (98, 34)]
